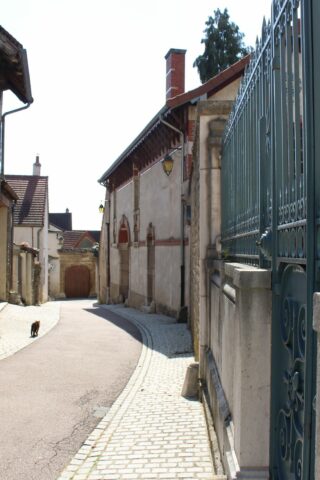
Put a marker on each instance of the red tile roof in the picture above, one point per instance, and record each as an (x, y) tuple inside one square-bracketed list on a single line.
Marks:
[(72, 239), (33, 197), (213, 85)]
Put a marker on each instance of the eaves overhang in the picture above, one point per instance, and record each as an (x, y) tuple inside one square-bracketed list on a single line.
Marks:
[(14, 73), (174, 111), (149, 128)]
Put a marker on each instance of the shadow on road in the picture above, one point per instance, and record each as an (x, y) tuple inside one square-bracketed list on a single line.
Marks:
[(115, 319), (169, 338)]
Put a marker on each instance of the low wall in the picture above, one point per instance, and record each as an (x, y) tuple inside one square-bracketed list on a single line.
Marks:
[(236, 365)]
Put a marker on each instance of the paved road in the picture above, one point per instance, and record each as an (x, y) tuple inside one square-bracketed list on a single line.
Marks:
[(55, 391)]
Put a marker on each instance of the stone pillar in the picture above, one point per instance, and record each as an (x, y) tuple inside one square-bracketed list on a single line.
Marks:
[(23, 278), (29, 275), (212, 121), (15, 269), (251, 411)]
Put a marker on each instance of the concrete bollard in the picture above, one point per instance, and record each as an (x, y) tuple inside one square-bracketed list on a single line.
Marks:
[(190, 387)]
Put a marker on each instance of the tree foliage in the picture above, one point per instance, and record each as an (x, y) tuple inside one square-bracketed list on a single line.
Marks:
[(223, 45)]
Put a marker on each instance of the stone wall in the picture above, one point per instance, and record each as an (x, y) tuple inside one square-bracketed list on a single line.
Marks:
[(83, 258), (237, 367), (194, 248), (3, 252)]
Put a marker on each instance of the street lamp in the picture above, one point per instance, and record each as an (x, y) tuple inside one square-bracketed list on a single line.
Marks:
[(101, 208), (167, 164)]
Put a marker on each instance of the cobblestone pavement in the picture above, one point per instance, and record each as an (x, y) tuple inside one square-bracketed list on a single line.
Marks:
[(15, 325), (151, 431)]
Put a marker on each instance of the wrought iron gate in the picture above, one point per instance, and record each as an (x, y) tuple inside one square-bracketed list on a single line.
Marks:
[(268, 216)]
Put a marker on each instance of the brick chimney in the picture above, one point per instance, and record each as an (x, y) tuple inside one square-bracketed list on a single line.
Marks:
[(37, 167), (175, 72)]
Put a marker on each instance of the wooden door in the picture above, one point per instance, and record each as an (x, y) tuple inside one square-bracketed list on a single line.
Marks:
[(77, 281)]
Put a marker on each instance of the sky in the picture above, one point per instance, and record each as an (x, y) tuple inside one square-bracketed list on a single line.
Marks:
[(97, 73)]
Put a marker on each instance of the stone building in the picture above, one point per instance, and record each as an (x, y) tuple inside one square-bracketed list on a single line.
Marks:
[(14, 76), (73, 262), (145, 237), (30, 222)]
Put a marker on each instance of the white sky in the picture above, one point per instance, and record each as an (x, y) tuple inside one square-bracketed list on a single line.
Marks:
[(97, 74)]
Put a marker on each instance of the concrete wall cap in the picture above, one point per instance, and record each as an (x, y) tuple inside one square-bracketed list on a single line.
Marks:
[(246, 276)]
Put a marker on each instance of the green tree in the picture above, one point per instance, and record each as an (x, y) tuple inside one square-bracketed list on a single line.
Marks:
[(223, 45)]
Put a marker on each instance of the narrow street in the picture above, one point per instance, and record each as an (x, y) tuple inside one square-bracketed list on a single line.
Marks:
[(55, 391)]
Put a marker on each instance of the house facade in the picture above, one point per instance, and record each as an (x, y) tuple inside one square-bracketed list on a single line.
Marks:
[(144, 254), (73, 257), (14, 76), (30, 224)]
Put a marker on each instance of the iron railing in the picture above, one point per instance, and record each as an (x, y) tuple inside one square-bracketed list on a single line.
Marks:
[(263, 174)]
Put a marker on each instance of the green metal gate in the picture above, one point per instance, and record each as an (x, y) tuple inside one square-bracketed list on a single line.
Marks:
[(271, 211)]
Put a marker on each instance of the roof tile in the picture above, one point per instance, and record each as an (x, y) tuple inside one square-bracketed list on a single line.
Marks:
[(31, 205)]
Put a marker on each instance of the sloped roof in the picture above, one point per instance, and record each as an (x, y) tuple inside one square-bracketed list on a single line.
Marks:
[(72, 239), (172, 112), (31, 204), (10, 193), (213, 85), (61, 220), (14, 73)]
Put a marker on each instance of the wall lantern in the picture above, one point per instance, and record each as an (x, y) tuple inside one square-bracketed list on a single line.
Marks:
[(167, 164), (101, 208)]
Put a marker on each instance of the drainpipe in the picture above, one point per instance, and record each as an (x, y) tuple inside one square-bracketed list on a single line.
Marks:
[(3, 117), (182, 264)]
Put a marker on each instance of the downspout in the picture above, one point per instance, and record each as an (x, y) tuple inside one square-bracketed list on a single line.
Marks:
[(182, 252), (3, 117)]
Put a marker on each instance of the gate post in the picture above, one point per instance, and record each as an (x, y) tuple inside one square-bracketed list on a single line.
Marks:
[(316, 327)]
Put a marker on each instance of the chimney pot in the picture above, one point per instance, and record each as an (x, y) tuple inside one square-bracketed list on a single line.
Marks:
[(37, 167), (175, 72)]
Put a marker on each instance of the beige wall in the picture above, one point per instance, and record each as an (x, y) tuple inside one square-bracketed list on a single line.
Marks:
[(54, 261), (160, 206), (36, 237), (240, 344), (160, 201), (3, 252)]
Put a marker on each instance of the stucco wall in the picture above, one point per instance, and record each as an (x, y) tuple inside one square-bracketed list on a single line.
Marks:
[(3, 252), (160, 210), (160, 201)]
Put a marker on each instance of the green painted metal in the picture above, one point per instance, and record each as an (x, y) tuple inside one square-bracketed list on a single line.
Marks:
[(271, 212)]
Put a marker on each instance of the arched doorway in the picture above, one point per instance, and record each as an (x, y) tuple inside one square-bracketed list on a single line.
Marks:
[(123, 245), (77, 281)]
